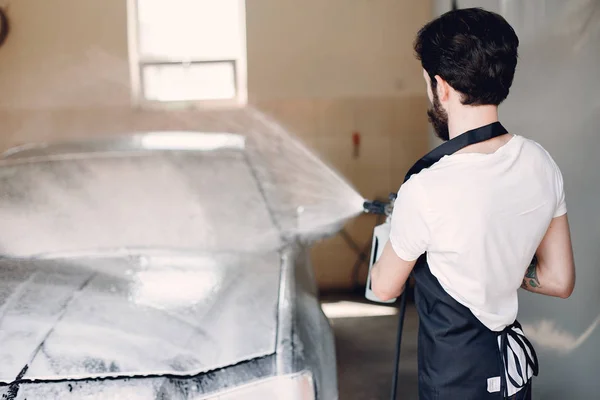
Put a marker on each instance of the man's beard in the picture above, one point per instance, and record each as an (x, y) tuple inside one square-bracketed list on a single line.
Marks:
[(439, 119)]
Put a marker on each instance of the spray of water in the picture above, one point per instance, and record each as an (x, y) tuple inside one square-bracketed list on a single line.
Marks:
[(276, 188)]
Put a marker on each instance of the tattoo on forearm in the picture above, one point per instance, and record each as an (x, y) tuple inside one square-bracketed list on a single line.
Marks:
[(531, 279)]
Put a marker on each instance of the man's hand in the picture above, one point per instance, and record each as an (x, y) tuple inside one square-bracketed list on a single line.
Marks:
[(389, 274)]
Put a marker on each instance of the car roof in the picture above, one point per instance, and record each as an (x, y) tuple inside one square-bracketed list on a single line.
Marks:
[(146, 141)]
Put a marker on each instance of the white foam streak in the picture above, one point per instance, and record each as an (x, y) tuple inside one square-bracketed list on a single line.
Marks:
[(547, 335)]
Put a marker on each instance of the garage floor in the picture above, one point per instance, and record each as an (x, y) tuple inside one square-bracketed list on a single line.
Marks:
[(365, 351)]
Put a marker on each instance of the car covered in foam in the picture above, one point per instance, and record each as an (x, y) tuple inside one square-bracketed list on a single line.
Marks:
[(155, 266)]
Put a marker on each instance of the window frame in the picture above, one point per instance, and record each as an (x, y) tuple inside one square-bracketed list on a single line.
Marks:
[(137, 63)]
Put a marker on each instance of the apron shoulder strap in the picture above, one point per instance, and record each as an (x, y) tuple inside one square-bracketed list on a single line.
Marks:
[(468, 138)]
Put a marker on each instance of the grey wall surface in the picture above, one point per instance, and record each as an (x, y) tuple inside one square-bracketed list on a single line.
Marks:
[(554, 101)]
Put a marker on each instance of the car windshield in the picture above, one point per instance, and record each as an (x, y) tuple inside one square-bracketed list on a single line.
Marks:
[(196, 201)]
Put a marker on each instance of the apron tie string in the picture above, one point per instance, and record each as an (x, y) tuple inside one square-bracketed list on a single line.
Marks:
[(531, 360)]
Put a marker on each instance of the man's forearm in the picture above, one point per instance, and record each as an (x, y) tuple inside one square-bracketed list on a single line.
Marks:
[(389, 274), (539, 279), (531, 280), (381, 286)]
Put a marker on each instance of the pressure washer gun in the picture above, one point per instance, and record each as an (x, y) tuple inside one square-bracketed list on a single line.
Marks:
[(381, 235)]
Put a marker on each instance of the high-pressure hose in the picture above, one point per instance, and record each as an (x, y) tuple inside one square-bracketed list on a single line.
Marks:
[(383, 208)]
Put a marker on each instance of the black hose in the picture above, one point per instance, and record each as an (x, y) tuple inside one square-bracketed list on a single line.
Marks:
[(399, 341)]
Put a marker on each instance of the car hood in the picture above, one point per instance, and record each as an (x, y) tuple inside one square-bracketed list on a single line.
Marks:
[(135, 315)]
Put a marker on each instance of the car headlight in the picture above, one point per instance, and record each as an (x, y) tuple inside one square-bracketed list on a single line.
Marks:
[(297, 386)]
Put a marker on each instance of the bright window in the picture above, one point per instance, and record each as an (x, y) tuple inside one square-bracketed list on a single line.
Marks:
[(188, 51)]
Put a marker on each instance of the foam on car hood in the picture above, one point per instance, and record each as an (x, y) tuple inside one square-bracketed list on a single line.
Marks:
[(135, 315)]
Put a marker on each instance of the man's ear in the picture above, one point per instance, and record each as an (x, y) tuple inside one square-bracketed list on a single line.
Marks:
[(442, 88)]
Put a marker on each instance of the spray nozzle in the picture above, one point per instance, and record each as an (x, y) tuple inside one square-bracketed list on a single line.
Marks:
[(380, 207)]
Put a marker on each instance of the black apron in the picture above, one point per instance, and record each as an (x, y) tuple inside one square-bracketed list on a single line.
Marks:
[(457, 353)]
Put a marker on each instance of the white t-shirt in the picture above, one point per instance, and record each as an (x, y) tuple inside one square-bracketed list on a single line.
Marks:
[(480, 218)]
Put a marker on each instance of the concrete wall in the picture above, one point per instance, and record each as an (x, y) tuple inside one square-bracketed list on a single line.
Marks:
[(334, 48), (322, 69), (554, 100)]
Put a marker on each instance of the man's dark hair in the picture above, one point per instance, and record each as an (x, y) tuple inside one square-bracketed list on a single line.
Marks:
[(474, 50)]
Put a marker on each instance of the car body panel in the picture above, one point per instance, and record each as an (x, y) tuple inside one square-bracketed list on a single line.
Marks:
[(144, 388)]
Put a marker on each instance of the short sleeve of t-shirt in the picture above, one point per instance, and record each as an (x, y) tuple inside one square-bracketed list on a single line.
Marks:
[(561, 204), (409, 234)]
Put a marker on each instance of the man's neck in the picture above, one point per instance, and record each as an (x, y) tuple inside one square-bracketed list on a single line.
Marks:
[(471, 117)]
